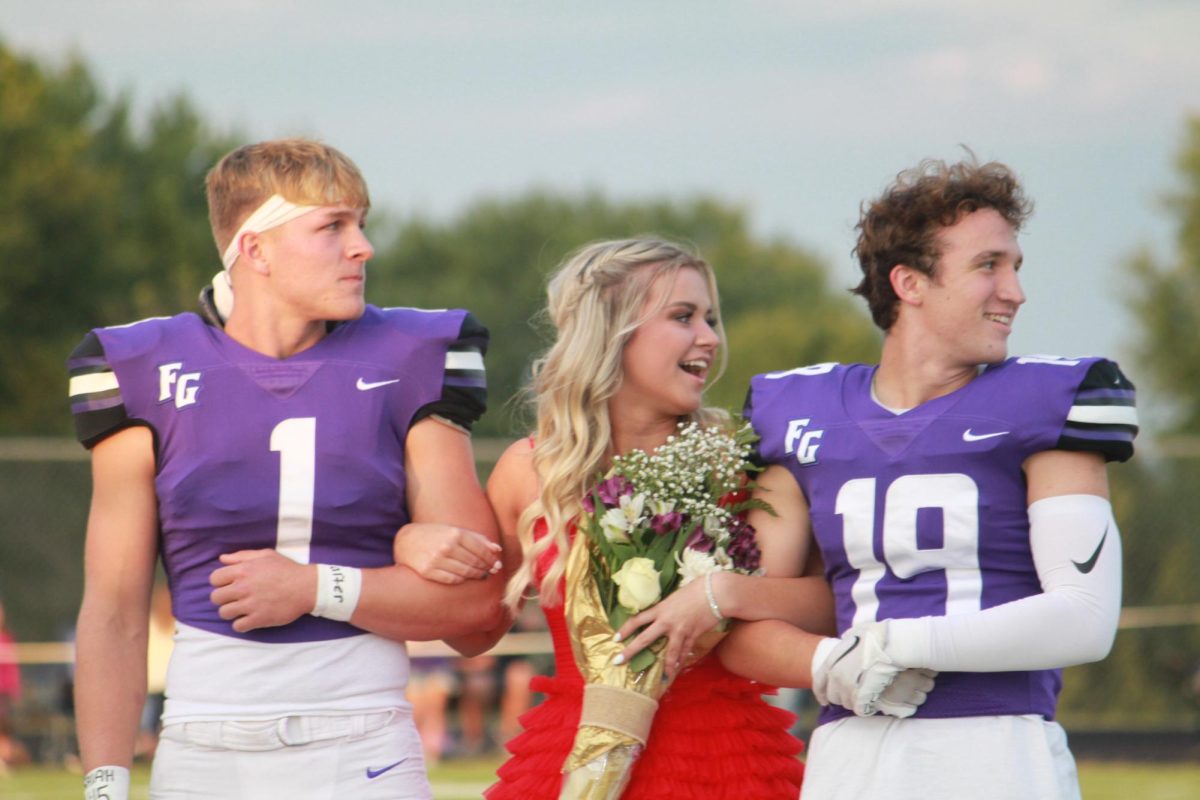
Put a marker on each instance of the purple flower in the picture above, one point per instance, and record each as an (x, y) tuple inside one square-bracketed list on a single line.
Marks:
[(670, 522), (743, 548), (699, 541), (612, 489)]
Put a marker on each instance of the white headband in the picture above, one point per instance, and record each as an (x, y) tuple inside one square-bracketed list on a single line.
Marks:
[(274, 211)]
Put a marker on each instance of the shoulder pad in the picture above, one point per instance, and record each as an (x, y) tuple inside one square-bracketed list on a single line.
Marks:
[(95, 394), (1103, 415), (464, 382)]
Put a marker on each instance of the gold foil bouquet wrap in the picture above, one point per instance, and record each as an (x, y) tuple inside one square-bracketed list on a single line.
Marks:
[(618, 700), (653, 523)]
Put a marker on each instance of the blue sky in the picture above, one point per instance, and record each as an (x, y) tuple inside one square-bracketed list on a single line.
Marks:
[(796, 110)]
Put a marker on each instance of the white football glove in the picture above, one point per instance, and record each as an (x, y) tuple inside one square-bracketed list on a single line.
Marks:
[(856, 672), (906, 693)]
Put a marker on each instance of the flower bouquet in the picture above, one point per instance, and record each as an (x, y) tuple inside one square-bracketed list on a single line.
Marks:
[(654, 523)]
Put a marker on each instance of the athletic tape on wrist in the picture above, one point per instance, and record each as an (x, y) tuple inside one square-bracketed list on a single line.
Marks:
[(338, 589), (106, 783)]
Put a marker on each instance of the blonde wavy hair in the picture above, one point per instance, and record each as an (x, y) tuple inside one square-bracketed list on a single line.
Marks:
[(595, 302)]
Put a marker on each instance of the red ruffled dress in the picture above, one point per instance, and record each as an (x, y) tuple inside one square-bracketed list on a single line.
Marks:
[(713, 736)]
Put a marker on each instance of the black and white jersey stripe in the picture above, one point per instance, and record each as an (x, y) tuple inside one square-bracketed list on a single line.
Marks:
[(1103, 416)]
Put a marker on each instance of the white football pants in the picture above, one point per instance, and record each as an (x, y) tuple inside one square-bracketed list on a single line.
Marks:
[(370, 756)]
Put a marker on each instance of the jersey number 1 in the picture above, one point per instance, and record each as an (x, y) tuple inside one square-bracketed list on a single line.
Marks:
[(296, 442)]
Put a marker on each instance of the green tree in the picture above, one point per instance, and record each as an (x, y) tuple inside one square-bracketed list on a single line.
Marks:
[(1149, 678), (102, 222), (1165, 297), (51, 218), (496, 255), (1166, 303), (97, 225), (161, 247)]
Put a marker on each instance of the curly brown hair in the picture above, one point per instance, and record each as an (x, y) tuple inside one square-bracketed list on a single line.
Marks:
[(902, 225)]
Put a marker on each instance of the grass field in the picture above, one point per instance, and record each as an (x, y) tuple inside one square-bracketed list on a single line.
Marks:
[(460, 780)]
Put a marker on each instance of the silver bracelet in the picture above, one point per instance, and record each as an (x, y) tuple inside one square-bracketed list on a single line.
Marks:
[(712, 601)]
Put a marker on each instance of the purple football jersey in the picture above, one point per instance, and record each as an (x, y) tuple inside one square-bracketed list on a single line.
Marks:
[(303, 454), (924, 513)]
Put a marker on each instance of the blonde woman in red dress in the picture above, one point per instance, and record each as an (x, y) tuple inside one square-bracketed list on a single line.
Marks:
[(638, 337)]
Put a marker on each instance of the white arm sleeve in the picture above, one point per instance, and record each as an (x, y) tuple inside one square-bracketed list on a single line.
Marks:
[(1077, 553)]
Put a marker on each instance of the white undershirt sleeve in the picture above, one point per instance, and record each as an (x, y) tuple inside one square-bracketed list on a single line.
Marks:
[(1077, 553)]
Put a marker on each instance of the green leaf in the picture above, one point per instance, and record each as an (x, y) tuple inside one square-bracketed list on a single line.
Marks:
[(618, 615), (643, 660), (659, 547), (666, 578), (756, 503)]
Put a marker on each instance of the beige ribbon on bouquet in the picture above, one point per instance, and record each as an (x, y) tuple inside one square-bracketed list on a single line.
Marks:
[(618, 703)]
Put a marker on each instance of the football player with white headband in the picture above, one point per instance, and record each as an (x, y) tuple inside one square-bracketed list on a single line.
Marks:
[(272, 455)]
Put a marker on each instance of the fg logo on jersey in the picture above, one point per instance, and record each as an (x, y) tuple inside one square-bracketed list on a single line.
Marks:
[(804, 443), (182, 386)]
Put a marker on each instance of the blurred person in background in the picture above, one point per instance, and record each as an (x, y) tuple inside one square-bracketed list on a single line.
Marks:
[(517, 671), (10, 693), (432, 682), (478, 677), (159, 644)]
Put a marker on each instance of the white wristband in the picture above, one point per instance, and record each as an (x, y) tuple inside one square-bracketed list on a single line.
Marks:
[(338, 589), (106, 783)]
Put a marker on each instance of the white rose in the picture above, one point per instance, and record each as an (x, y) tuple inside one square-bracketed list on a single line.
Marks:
[(639, 584), (694, 564)]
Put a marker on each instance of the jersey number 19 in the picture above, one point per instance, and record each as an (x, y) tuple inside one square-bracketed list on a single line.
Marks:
[(956, 495)]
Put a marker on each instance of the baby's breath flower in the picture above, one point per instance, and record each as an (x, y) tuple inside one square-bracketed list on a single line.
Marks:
[(679, 507)]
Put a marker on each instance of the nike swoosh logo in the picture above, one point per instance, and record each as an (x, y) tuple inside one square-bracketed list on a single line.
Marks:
[(375, 773), (366, 386), (1090, 564), (849, 650), (979, 437)]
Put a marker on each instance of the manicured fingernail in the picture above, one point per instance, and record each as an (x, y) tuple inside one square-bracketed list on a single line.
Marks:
[(497, 566), (620, 659), (617, 636)]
